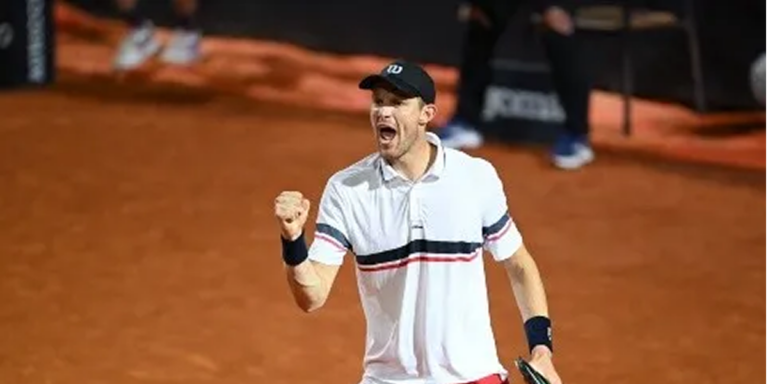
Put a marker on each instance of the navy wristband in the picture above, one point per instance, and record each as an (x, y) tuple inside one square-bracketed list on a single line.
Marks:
[(294, 252), (538, 330)]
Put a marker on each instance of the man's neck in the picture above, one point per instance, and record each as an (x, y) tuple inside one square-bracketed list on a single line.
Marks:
[(414, 164)]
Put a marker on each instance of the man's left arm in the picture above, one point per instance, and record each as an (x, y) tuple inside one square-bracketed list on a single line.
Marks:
[(531, 299), (504, 241), (528, 288)]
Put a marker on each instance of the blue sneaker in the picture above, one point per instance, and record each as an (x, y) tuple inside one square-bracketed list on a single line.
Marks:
[(571, 152), (459, 135)]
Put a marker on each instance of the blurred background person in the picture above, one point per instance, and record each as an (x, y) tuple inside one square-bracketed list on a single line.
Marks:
[(486, 21), (757, 78), (141, 43)]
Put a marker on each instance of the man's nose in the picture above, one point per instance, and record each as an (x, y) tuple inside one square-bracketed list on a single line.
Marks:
[(385, 111)]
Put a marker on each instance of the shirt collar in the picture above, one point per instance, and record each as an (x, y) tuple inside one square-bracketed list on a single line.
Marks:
[(435, 171)]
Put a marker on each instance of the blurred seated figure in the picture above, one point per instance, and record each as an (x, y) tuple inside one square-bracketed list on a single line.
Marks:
[(486, 21), (141, 44), (758, 79)]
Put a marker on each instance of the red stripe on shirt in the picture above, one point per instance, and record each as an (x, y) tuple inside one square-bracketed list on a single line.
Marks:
[(496, 236), (331, 240), (421, 258)]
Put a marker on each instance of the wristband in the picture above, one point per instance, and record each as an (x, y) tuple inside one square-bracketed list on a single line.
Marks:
[(538, 330), (294, 252)]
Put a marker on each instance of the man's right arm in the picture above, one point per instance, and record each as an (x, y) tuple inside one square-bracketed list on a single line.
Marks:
[(311, 283), (312, 271)]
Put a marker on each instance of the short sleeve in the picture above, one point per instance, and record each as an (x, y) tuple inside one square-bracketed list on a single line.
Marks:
[(330, 243), (501, 236)]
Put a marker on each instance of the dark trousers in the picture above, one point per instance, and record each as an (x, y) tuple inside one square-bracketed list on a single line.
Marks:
[(570, 75)]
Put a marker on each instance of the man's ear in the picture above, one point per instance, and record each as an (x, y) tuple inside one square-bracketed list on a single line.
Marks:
[(428, 113)]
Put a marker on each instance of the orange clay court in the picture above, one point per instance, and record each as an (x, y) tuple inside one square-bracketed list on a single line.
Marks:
[(139, 246)]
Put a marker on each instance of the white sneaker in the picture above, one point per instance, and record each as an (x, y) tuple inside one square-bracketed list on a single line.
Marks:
[(458, 136), (183, 48), (580, 156), (138, 46)]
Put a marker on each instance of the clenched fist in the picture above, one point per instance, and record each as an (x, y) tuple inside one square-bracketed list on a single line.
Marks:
[(291, 209)]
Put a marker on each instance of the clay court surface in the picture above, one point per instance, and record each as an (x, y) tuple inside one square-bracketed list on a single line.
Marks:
[(139, 245)]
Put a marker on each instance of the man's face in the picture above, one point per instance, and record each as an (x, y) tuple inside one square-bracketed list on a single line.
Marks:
[(398, 122)]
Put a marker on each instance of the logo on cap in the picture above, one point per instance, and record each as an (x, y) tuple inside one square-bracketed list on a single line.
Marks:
[(394, 69)]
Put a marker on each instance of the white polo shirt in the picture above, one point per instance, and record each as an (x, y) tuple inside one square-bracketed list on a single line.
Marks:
[(420, 273)]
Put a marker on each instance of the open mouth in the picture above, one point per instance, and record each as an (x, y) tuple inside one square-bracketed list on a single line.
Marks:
[(386, 133)]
